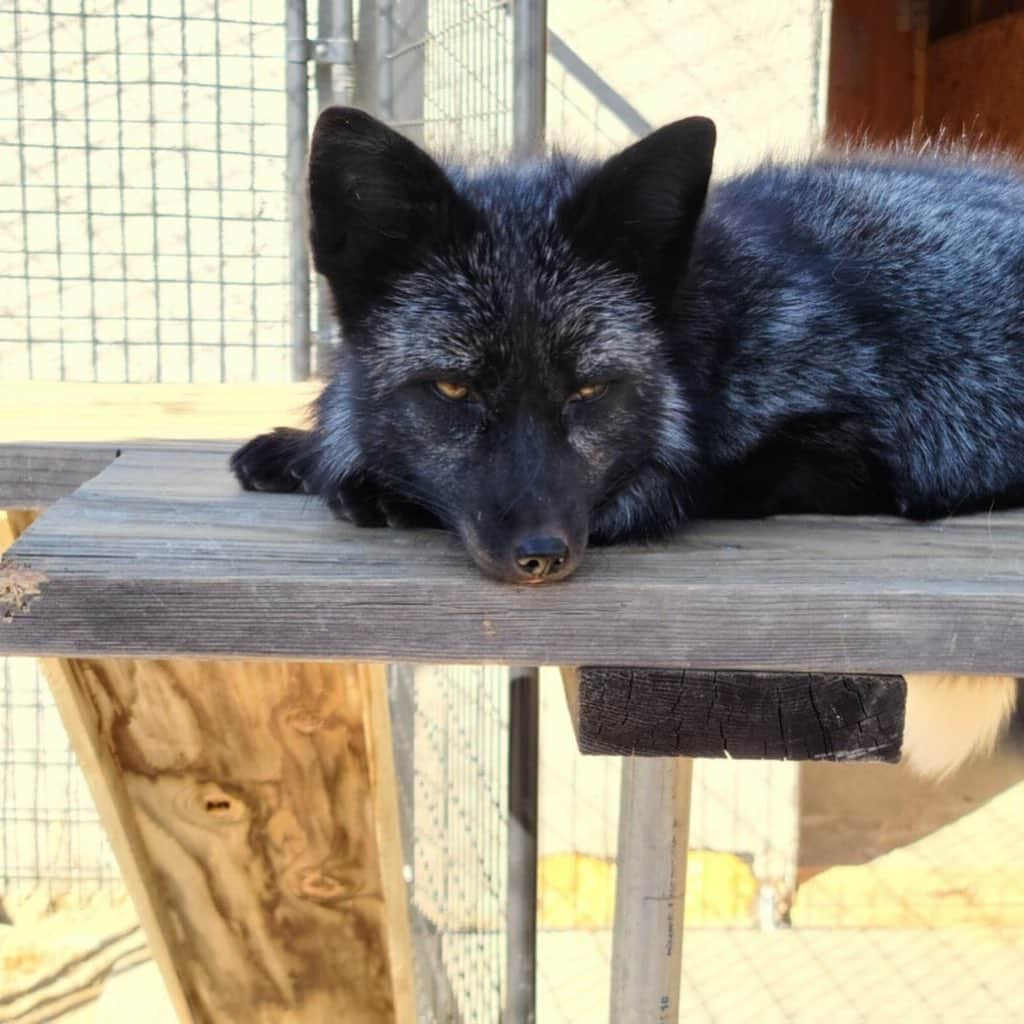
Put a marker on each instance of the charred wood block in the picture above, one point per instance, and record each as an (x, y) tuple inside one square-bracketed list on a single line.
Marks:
[(752, 715)]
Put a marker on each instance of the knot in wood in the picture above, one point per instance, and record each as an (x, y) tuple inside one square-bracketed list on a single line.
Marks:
[(19, 587), (316, 884)]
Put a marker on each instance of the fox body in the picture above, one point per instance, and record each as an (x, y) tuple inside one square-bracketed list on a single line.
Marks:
[(562, 352)]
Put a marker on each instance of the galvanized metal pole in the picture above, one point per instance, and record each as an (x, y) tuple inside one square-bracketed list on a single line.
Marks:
[(334, 53), (650, 891), (529, 82), (383, 43), (523, 754), (529, 76), (296, 87)]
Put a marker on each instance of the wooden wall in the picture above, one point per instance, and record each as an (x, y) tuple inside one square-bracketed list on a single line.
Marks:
[(914, 70)]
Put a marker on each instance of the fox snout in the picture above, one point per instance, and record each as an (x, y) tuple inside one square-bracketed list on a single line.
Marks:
[(538, 556), (542, 558)]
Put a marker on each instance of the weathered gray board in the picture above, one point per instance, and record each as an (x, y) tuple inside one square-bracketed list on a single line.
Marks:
[(162, 554), (36, 475)]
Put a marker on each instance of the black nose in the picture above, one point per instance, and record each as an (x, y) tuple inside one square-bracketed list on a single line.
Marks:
[(541, 556)]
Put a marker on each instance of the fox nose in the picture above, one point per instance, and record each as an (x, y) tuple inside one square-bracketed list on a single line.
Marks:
[(540, 557)]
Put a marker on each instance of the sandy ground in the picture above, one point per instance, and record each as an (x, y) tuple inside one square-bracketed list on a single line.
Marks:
[(871, 976)]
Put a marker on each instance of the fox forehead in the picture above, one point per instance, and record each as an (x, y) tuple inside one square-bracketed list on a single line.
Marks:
[(484, 319), (512, 307)]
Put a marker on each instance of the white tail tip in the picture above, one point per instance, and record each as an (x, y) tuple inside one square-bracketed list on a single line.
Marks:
[(950, 719)]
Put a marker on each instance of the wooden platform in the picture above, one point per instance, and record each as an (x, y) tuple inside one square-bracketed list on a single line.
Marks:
[(55, 436), (163, 555)]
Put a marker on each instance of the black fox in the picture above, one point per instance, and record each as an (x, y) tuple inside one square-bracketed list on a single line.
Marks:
[(562, 352), (567, 352)]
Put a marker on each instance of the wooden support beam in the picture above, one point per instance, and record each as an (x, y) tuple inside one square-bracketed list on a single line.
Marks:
[(253, 811), (760, 715)]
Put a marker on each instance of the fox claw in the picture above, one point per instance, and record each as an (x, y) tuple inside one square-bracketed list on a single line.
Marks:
[(279, 461)]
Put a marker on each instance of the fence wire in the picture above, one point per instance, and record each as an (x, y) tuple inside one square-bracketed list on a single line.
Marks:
[(49, 829), (143, 232)]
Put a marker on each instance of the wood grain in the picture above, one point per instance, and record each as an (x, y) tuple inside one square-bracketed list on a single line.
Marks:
[(976, 83), (875, 73), (758, 715), (248, 804), (162, 554)]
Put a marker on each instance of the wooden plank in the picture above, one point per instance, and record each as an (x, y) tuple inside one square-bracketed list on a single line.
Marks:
[(976, 81), (119, 822), (109, 796), (650, 890), (34, 476), (745, 715), (247, 803), (162, 554), (48, 411), (55, 436), (874, 72)]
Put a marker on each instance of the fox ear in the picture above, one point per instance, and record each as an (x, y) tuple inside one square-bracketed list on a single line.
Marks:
[(640, 209), (378, 204)]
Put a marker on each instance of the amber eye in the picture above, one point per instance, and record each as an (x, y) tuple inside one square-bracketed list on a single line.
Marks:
[(589, 393), (451, 390)]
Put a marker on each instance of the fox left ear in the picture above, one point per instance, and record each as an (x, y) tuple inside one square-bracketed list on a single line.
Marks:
[(639, 210), (379, 206)]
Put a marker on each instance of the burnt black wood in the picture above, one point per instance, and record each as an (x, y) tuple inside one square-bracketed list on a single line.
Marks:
[(760, 715)]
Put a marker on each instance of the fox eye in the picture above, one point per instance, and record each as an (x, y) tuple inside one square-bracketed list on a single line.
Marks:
[(589, 393), (451, 390)]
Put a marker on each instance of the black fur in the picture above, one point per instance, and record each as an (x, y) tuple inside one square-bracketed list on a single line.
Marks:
[(841, 335)]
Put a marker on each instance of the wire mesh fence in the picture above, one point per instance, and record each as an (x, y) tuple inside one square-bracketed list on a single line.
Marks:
[(143, 226), (450, 727), (49, 829)]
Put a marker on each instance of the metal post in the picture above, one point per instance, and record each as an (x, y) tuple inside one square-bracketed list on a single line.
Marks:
[(334, 53), (297, 56), (529, 78), (385, 72), (523, 750), (529, 82), (650, 892)]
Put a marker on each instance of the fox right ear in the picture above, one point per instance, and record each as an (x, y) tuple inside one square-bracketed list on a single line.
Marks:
[(379, 205), (639, 210)]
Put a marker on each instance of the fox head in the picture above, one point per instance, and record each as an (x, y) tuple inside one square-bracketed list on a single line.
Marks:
[(504, 361)]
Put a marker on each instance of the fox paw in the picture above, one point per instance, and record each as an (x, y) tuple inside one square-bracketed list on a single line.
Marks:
[(361, 501), (279, 461)]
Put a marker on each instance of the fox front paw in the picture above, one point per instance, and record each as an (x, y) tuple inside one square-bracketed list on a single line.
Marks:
[(279, 461), (362, 501)]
